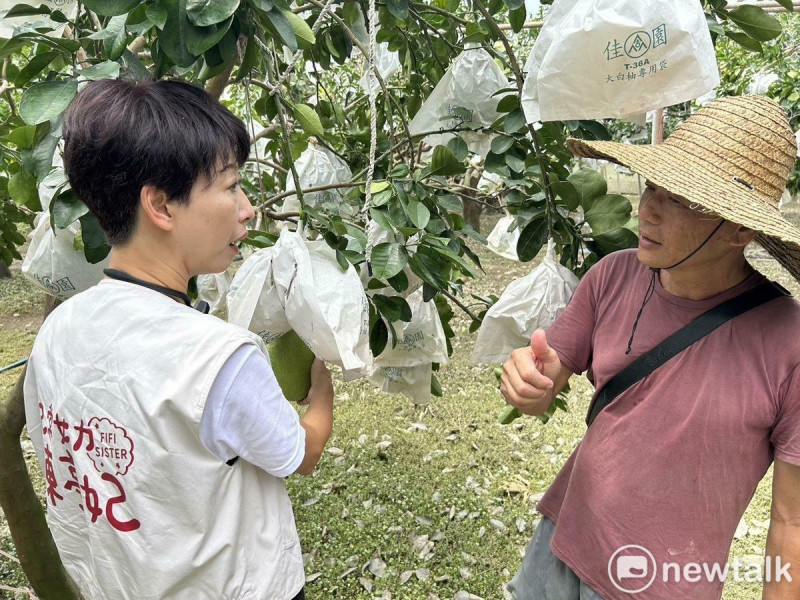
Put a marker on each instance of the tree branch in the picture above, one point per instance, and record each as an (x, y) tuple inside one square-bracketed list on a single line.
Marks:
[(458, 303)]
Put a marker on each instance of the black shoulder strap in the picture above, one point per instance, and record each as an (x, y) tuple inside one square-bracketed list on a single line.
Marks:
[(682, 339)]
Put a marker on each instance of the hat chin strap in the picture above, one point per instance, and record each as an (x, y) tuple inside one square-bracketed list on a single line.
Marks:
[(680, 262), (651, 288)]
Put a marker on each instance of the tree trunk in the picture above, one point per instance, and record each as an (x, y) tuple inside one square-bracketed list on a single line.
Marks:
[(472, 209), (5, 272), (35, 547)]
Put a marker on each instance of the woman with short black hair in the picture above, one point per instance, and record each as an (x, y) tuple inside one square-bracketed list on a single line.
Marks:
[(162, 432)]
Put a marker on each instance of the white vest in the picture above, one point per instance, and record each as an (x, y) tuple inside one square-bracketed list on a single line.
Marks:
[(138, 507)]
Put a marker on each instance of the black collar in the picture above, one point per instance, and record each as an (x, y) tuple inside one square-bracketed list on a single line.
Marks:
[(183, 297)]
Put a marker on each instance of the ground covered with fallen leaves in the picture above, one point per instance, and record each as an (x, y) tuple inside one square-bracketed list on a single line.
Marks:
[(413, 502)]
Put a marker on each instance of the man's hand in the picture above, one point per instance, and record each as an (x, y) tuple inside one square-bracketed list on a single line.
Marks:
[(529, 376)]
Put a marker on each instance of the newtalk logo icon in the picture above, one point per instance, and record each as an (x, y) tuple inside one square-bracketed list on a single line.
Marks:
[(633, 569)]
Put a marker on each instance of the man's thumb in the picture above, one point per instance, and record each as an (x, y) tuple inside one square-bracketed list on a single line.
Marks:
[(541, 351)]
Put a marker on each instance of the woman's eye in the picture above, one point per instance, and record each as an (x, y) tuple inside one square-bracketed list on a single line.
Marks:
[(236, 184)]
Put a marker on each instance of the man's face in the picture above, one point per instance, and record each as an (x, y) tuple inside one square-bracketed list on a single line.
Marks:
[(669, 231), (213, 221)]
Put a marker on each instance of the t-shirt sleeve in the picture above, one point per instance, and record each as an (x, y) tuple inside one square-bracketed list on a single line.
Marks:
[(786, 431), (570, 335), (246, 415)]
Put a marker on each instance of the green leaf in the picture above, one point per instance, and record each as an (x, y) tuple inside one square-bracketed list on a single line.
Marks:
[(608, 213), (419, 214), (67, 208), (302, 31), (394, 308), (202, 39), (249, 60), (283, 27), (787, 4), (40, 160), (156, 14), (378, 337), (209, 12), (516, 18), (745, 41), (502, 143), (589, 184), (568, 194), (24, 10), (436, 387), (111, 8), (44, 101), (388, 259), (516, 163), (615, 240), (22, 189), (114, 40), (531, 240), (399, 282), (508, 103), (104, 70), (308, 119), (444, 162), (429, 270), (400, 171), (381, 218), (514, 121), (458, 147), (95, 246), (35, 66), (398, 9), (27, 136), (755, 22), (450, 202), (175, 32)]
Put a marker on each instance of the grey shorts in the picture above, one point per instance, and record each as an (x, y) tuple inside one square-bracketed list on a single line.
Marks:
[(542, 576)]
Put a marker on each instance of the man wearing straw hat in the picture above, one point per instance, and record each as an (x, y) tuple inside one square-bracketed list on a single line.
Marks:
[(648, 503)]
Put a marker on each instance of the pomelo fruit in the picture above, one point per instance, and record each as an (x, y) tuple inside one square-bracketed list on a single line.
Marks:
[(291, 362)]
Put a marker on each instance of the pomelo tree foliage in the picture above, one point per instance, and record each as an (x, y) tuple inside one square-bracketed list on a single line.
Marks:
[(291, 70)]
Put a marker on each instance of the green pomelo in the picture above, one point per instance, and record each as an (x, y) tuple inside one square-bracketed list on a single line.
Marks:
[(291, 362)]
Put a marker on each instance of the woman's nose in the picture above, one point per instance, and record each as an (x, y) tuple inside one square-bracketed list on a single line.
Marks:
[(248, 207)]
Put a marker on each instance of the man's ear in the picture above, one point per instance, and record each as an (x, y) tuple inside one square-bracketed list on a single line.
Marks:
[(742, 236), (156, 208)]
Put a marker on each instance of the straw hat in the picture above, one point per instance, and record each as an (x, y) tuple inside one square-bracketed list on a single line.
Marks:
[(732, 158)]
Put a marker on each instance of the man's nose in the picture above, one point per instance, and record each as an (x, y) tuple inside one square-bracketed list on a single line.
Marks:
[(649, 208)]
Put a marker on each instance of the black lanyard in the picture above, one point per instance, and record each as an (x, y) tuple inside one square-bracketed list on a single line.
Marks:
[(202, 306)]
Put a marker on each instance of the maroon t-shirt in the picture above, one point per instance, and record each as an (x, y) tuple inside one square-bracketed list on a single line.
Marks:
[(673, 462)]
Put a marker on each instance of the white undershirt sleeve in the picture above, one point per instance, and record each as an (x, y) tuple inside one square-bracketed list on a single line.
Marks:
[(246, 415)]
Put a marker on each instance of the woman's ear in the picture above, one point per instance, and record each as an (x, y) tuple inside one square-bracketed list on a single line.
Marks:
[(156, 208)]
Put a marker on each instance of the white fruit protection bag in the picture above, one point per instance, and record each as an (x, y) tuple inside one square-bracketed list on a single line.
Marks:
[(253, 300), (470, 83), (413, 382), (298, 284), (420, 341), (527, 304), (54, 265), (317, 166), (213, 288), (502, 241), (598, 59)]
